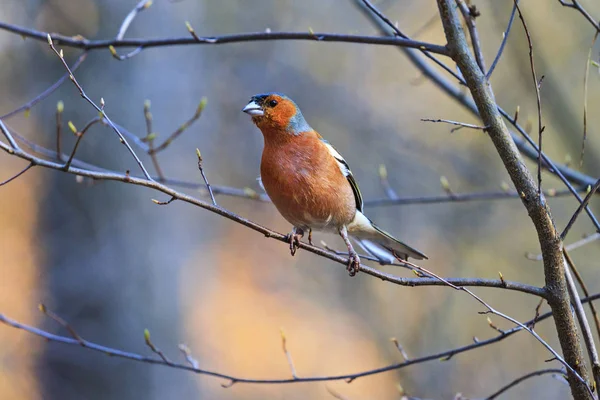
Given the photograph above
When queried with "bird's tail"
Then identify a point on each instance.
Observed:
(379, 243)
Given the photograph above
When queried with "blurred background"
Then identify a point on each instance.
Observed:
(112, 263)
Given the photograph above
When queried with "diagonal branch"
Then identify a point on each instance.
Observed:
(99, 109)
(533, 201)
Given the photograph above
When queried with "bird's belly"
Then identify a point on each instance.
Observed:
(311, 204)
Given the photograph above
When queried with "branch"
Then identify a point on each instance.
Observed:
(99, 109)
(534, 203)
(504, 40)
(18, 174)
(524, 378)
(193, 364)
(574, 4)
(86, 44)
(536, 84)
(125, 178)
(583, 205)
(141, 6)
(27, 106)
(469, 14)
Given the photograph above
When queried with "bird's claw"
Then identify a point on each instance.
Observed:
(310, 237)
(294, 240)
(353, 264)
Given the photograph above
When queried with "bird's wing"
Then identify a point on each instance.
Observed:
(345, 168)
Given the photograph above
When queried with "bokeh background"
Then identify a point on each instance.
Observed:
(112, 263)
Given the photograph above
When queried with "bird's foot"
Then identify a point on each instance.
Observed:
(310, 237)
(294, 239)
(353, 263)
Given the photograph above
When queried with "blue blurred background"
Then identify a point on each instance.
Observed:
(105, 258)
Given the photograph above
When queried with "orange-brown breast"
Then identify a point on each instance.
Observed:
(305, 183)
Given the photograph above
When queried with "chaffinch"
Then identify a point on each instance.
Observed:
(311, 184)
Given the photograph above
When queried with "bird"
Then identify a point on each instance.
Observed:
(311, 184)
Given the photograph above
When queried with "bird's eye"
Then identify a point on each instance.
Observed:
(273, 103)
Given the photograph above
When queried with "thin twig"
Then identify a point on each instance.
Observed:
(99, 109)
(79, 135)
(12, 178)
(400, 349)
(537, 84)
(520, 379)
(48, 91)
(154, 348)
(150, 136)
(398, 33)
(181, 128)
(62, 323)
(60, 106)
(210, 192)
(288, 356)
(385, 183)
(503, 43)
(475, 43)
(335, 394)
(553, 168)
(583, 205)
(187, 353)
(585, 95)
(459, 124)
(141, 6)
(575, 5)
(9, 137)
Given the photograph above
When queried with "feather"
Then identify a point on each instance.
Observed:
(376, 241)
(345, 169)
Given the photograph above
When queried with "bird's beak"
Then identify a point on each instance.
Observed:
(253, 109)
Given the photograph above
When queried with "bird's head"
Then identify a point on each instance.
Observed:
(275, 112)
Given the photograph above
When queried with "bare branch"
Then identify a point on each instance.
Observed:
(400, 349)
(583, 205)
(444, 355)
(459, 124)
(585, 95)
(79, 135)
(99, 109)
(141, 6)
(210, 192)
(82, 43)
(288, 356)
(523, 378)
(469, 14)
(503, 43)
(182, 128)
(537, 84)
(12, 178)
(574, 4)
(154, 348)
(47, 92)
